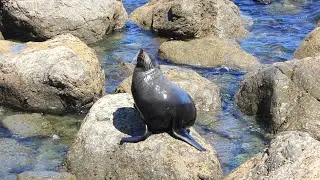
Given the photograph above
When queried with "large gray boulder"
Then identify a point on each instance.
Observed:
(57, 76)
(97, 154)
(291, 155)
(41, 19)
(190, 18)
(208, 52)
(205, 93)
(285, 95)
(310, 46)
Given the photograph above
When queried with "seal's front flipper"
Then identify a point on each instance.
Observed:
(185, 136)
(135, 139)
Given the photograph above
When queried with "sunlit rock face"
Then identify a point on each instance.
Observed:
(38, 20)
(56, 76)
(208, 52)
(291, 155)
(310, 46)
(190, 18)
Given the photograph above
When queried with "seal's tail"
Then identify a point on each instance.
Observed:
(185, 136)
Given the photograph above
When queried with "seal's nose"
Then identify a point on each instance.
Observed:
(141, 53)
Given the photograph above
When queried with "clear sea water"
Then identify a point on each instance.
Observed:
(276, 30)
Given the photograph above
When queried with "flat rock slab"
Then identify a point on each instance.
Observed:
(97, 154)
(56, 76)
(291, 155)
(284, 95)
(208, 52)
(190, 18)
(39, 20)
(205, 93)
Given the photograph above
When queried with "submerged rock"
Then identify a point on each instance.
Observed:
(284, 95)
(45, 175)
(310, 46)
(6, 46)
(208, 52)
(1, 36)
(96, 153)
(291, 155)
(27, 125)
(264, 1)
(56, 76)
(14, 157)
(190, 18)
(287, 7)
(205, 93)
(41, 20)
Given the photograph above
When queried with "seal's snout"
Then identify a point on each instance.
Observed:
(141, 54)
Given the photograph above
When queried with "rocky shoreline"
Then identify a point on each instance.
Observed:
(61, 74)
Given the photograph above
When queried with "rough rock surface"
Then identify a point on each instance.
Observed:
(45, 175)
(291, 155)
(208, 52)
(96, 153)
(205, 93)
(310, 46)
(41, 19)
(285, 95)
(59, 75)
(190, 18)
(1, 36)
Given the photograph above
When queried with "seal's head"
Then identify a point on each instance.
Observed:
(144, 62)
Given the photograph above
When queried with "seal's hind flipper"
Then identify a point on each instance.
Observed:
(185, 136)
(135, 139)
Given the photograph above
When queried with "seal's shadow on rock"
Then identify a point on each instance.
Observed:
(128, 121)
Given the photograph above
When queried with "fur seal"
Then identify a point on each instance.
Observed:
(163, 105)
